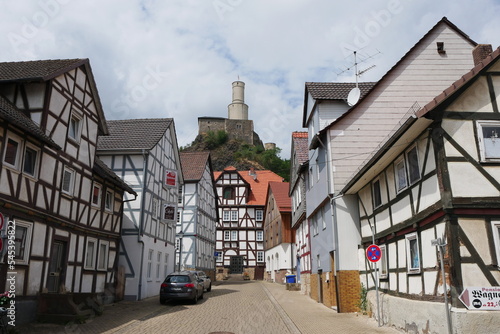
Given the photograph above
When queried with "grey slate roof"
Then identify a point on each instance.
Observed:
(106, 173)
(336, 90)
(193, 164)
(14, 116)
(133, 134)
(37, 70)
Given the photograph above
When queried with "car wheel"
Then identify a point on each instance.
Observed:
(202, 291)
(209, 288)
(195, 299)
(163, 301)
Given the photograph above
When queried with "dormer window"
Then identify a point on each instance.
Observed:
(228, 193)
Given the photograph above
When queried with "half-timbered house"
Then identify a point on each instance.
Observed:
(278, 236)
(198, 214)
(300, 225)
(240, 230)
(144, 153)
(441, 56)
(63, 203)
(436, 182)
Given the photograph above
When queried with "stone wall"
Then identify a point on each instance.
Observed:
(206, 124)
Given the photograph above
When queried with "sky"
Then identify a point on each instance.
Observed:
(178, 59)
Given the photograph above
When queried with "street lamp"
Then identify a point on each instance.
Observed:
(180, 235)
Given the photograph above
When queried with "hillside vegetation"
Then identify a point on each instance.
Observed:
(227, 152)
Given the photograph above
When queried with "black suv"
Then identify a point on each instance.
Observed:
(181, 285)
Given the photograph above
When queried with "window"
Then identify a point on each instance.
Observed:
(489, 141)
(377, 197)
(234, 215)
(220, 256)
(226, 216)
(150, 264)
(22, 241)
(384, 272)
(227, 235)
(30, 161)
(260, 256)
(165, 265)
(108, 202)
(323, 220)
(102, 258)
(259, 215)
(158, 262)
(260, 235)
(179, 198)
(318, 261)
(74, 127)
(228, 193)
(179, 215)
(11, 156)
(90, 253)
(154, 208)
(68, 181)
(413, 168)
(234, 235)
(495, 225)
(400, 174)
(412, 253)
(96, 195)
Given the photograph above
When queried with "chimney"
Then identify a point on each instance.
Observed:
(480, 52)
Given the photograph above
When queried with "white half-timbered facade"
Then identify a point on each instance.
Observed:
(437, 180)
(144, 153)
(198, 215)
(240, 230)
(64, 205)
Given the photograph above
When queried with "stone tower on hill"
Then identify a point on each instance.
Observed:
(237, 125)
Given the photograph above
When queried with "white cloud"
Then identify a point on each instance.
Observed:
(178, 58)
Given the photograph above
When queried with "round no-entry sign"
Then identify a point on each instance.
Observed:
(373, 253)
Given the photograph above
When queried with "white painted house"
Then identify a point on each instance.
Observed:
(198, 214)
(441, 56)
(437, 177)
(64, 204)
(144, 153)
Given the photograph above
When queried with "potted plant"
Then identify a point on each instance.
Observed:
(246, 276)
(5, 299)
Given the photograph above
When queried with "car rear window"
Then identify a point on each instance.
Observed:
(177, 279)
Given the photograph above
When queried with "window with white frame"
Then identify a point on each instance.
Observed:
(495, 225)
(12, 152)
(154, 208)
(234, 235)
(96, 195)
(318, 260)
(220, 256)
(22, 241)
(412, 253)
(108, 201)
(377, 195)
(260, 256)
(384, 271)
(226, 216)
(234, 215)
(165, 265)
(489, 141)
(68, 181)
(30, 161)
(260, 235)
(103, 255)
(74, 127)
(259, 215)
(158, 262)
(400, 174)
(413, 166)
(323, 220)
(150, 264)
(227, 235)
(90, 253)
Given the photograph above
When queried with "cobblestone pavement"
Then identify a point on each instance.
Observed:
(233, 307)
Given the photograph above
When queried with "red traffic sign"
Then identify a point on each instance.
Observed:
(373, 253)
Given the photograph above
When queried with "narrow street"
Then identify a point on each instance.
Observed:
(238, 307)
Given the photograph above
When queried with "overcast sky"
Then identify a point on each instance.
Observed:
(173, 58)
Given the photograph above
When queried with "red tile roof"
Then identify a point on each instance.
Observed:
(258, 187)
(280, 192)
(299, 134)
(193, 164)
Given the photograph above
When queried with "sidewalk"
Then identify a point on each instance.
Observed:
(311, 317)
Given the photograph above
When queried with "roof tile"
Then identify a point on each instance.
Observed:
(37, 70)
(280, 192)
(193, 164)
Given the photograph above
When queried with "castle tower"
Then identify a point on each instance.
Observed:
(238, 109)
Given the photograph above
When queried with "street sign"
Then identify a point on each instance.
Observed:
(481, 298)
(373, 253)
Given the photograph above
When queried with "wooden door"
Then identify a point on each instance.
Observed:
(56, 266)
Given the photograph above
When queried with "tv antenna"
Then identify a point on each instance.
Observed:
(355, 93)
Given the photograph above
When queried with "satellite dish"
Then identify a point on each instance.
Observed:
(353, 96)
